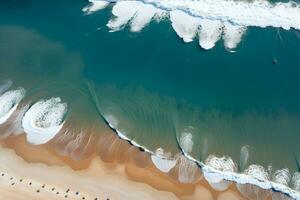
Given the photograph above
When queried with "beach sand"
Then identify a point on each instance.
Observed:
(38, 172)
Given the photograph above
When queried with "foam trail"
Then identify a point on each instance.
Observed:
(184, 25)
(244, 157)
(76, 144)
(4, 85)
(161, 162)
(95, 6)
(9, 102)
(232, 35)
(44, 120)
(186, 140)
(224, 164)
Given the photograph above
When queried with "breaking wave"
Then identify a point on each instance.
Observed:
(208, 20)
(44, 121)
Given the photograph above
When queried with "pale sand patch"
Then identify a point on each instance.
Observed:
(230, 195)
(201, 193)
(95, 182)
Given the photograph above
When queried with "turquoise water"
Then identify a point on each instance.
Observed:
(156, 87)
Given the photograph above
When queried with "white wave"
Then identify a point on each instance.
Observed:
(95, 5)
(135, 12)
(44, 120)
(282, 176)
(4, 85)
(161, 161)
(143, 16)
(232, 35)
(212, 17)
(209, 33)
(186, 140)
(296, 181)
(185, 25)
(9, 102)
(223, 164)
(243, 13)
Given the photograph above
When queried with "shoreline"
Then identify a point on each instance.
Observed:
(45, 170)
(144, 176)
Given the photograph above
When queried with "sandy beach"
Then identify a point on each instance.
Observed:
(37, 172)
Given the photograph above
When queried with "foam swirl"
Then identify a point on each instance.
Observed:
(44, 120)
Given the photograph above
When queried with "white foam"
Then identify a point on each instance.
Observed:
(161, 162)
(44, 120)
(209, 33)
(135, 12)
(185, 25)
(186, 140)
(223, 164)
(94, 6)
(282, 176)
(9, 102)
(143, 16)
(296, 181)
(214, 16)
(258, 172)
(232, 35)
(243, 13)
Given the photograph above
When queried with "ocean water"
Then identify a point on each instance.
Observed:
(155, 89)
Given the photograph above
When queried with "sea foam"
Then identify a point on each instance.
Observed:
(224, 164)
(94, 6)
(44, 120)
(211, 20)
(9, 102)
(161, 161)
(135, 12)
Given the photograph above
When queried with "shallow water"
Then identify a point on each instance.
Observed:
(154, 89)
